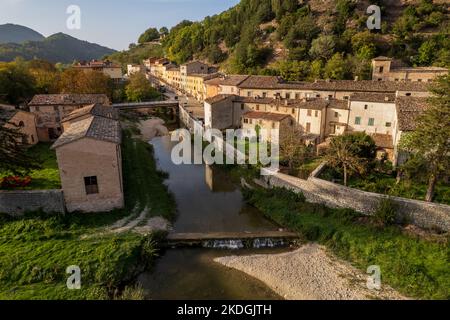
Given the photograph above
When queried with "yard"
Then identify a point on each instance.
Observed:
(47, 177)
(36, 250)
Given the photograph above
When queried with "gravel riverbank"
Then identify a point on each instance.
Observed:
(309, 273)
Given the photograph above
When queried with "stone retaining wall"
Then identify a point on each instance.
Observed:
(19, 202)
(420, 213)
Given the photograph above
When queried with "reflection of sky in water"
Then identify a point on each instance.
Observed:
(206, 198)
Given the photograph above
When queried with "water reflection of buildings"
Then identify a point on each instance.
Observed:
(217, 180)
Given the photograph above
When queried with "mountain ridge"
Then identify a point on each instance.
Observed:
(58, 47)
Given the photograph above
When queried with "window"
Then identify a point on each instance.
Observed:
(249, 93)
(278, 108)
(242, 106)
(330, 96)
(308, 127)
(317, 95)
(274, 125)
(388, 124)
(245, 120)
(293, 110)
(250, 121)
(288, 95)
(91, 185)
(264, 94)
(257, 107)
(297, 96)
(396, 79)
(371, 121)
(366, 106)
(345, 97)
(408, 94)
(336, 114)
(21, 124)
(309, 113)
(381, 70)
(420, 80)
(357, 120)
(317, 113)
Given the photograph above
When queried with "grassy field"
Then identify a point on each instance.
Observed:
(36, 250)
(414, 266)
(47, 177)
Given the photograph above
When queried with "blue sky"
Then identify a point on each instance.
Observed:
(112, 23)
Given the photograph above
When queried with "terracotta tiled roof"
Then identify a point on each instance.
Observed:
(265, 116)
(408, 108)
(218, 98)
(232, 80)
(383, 140)
(261, 82)
(68, 99)
(95, 110)
(373, 97)
(97, 128)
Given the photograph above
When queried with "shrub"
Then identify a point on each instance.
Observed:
(386, 212)
(13, 182)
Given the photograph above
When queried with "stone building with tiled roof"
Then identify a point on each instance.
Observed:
(23, 121)
(90, 110)
(266, 122)
(90, 164)
(385, 69)
(108, 68)
(50, 109)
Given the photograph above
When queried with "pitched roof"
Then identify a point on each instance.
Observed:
(7, 114)
(408, 109)
(68, 99)
(97, 128)
(232, 80)
(95, 110)
(373, 97)
(260, 82)
(382, 58)
(218, 98)
(265, 116)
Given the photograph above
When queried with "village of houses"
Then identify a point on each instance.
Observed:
(86, 132)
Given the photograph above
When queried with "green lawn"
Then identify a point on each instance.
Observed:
(47, 177)
(414, 266)
(36, 250)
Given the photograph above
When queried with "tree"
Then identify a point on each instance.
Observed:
(431, 139)
(292, 147)
(13, 155)
(336, 67)
(164, 31)
(140, 89)
(16, 82)
(322, 47)
(351, 153)
(84, 81)
(150, 34)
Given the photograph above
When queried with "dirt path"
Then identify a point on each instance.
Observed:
(309, 273)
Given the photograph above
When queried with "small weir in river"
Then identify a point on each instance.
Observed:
(213, 220)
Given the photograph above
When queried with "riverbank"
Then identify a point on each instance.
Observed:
(308, 273)
(35, 250)
(413, 265)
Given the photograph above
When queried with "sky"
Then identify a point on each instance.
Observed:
(112, 23)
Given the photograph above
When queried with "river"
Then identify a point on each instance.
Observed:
(207, 201)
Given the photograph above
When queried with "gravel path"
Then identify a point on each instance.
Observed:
(308, 273)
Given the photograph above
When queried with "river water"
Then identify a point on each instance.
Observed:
(207, 201)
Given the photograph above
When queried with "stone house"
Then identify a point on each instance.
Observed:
(267, 121)
(90, 164)
(22, 120)
(135, 68)
(97, 110)
(108, 68)
(386, 69)
(224, 85)
(50, 109)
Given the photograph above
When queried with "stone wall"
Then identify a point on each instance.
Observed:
(19, 202)
(420, 213)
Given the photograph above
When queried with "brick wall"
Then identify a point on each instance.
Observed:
(19, 202)
(420, 213)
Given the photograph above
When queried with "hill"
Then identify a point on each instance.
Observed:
(59, 47)
(13, 33)
(311, 39)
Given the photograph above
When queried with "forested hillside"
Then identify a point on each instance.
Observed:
(313, 39)
(18, 34)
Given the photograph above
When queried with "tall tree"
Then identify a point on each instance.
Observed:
(140, 89)
(292, 147)
(431, 138)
